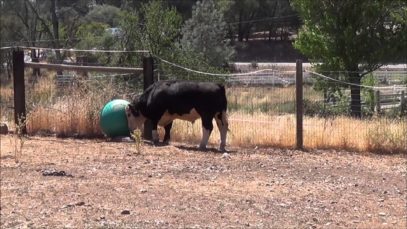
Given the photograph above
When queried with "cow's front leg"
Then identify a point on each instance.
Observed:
(207, 128)
(167, 135)
(155, 132)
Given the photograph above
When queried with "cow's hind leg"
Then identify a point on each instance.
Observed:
(223, 125)
(167, 135)
(207, 128)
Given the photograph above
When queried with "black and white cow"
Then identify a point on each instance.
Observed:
(165, 101)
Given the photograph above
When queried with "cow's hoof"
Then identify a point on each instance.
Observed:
(202, 148)
(223, 150)
(156, 143)
(165, 143)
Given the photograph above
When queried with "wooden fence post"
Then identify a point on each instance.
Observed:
(148, 77)
(19, 91)
(377, 101)
(299, 105)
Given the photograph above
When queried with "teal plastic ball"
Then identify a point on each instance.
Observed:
(113, 120)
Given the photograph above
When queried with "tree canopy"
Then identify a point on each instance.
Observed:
(205, 33)
(353, 36)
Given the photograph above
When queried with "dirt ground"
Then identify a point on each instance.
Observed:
(66, 183)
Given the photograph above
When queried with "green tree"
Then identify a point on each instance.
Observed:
(129, 24)
(242, 14)
(106, 14)
(205, 33)
(353, 36)
(161, 28)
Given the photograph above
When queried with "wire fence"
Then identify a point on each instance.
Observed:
(261, 107)
(68, 102)
(261, 103)
(333, 99)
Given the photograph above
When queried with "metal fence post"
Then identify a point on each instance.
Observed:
(19, 91)
(299, 105)
(148, 77)
(402, 101)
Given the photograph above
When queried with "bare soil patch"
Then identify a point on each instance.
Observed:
(98, 184)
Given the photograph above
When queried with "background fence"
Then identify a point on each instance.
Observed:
(262, 103)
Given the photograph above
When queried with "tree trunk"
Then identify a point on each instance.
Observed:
(55, 30)
(240, 31)
(355, 103)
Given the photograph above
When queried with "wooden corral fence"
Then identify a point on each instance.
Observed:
(19, 82)
(388, 100)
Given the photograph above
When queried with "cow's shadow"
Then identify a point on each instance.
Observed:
(208, 149)
(191, 148)
(196, 149)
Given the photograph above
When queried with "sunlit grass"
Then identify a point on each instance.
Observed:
(246, 130)
(260, 117)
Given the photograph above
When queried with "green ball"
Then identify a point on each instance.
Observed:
(113, 120)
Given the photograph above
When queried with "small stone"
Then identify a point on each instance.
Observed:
(382, 213)
(3, 128)
(143, 190)
(226, 156)
(125, 212)
(80, 203)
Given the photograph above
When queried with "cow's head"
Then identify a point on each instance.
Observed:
(135, 119)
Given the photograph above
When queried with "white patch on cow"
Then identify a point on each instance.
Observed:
(223, 126)
(134, 122)
(205, 137)
(155, 136)
(166, 118)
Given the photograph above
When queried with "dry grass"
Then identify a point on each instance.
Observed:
(6, 98)
(68, 117)
(379, 134)
(246, 130)
(275, 100)
(258, 117)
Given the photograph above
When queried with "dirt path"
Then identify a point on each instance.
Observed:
(88, 183)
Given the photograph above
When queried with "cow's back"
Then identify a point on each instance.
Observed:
(182, 96)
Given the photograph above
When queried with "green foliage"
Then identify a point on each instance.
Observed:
(353, 36)
(129, 39)
(94, 36)
(91, 34)
(105, 14)
(248, 16)
(342, 34)
(368, 93)
(205, 33)
(161, 28)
